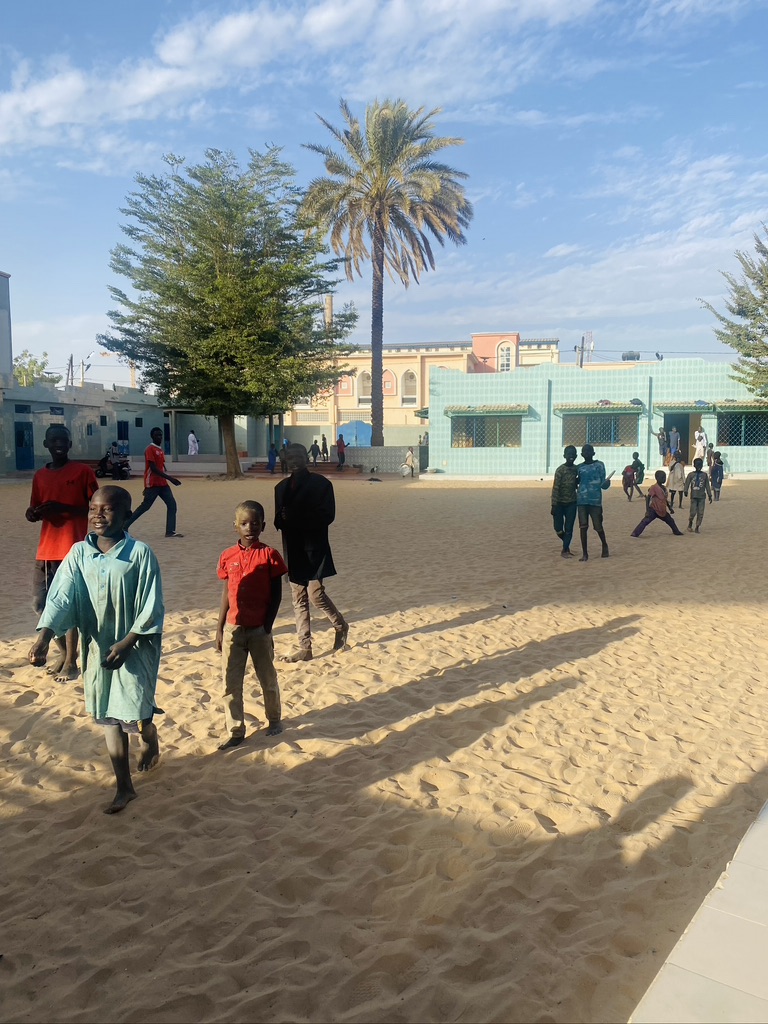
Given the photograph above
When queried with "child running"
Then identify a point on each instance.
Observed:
(252, 574)
(564, 500)
(60, 495)
(632, 476)
(698, 484)
(658, 507)
(109, 587)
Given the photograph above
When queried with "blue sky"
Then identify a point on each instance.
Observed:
(617, 150)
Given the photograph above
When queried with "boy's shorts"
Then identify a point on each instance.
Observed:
(42, 579)
(593, 512)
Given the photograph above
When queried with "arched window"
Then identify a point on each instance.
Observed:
(364, 388)
(505, 359)
(410, 388)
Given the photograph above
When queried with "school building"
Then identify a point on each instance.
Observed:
(407, 368)
(516, 424)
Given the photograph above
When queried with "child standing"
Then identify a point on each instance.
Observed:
(676, 480)
(658, 507)
(698, 484)
(60, 495)
(252, 574)
(109, 587)
(564, 500)
(716, 476)
(589, 499)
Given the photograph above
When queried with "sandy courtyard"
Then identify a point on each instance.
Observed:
(503, 802)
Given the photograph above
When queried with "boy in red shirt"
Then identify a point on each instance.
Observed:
(252, 574)
(61, 493)
(658, 507)
(156, 485)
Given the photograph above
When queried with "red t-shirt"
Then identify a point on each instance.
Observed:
(74, 484)
(249, 573)
(154, 458)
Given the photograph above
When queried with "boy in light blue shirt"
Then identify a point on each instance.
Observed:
(589, 498)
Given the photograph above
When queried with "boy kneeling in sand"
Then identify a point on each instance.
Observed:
(252, 574)
(109, 588)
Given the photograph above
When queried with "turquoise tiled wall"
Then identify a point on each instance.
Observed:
(543, 387)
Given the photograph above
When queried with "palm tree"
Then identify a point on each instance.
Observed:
(385, 189)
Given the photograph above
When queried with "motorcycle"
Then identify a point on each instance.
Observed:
(118, 467)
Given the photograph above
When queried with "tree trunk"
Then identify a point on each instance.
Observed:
(227, 425)
(377, 340)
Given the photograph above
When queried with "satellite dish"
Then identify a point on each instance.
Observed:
(659, 356)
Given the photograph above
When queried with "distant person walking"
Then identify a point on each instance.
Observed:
(304, 509)
(324, 448)
(193, 444)
(589, 499)
(661, 437)
(716, 475)
(314, 451)
(697, 483)
(410, 462)
(272, 458)
(674, 440)
(563, 500)
(676, 479)
(156, 485)
(341, 451)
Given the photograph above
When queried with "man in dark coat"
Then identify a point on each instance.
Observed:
(304, 509)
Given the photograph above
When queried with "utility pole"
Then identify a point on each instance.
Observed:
(579, 350)
(69, 380)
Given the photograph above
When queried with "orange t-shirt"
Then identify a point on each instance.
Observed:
(74, 484)
(249, 573)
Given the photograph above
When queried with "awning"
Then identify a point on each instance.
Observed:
(421, 414)
(690, 406)
(486, 410)
(741, 405)
(597, 407)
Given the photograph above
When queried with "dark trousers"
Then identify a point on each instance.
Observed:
(564, 516)
(151, 494)
(649, 516)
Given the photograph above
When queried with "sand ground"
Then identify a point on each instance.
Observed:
(503, 802)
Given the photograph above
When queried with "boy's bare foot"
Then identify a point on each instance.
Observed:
(584, 558)
(68, 671)
(232, 742)
(150, 750)
(605, 553)
(303, 654)
(55, 667)
(275, 728)
(566, 554)
(120, 802)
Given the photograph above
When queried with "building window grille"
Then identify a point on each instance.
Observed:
(601, 430)
(364, 388)
(505, 359)
(23, 409)
(89, 430)
(486, 431)
(742, 429)
(410, 390)
(102, 421)
(122, 430)
(139, 421)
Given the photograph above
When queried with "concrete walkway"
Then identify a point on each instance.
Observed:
(718, 971)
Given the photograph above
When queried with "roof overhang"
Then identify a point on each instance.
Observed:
(697, 406)
(598, 407)
(742, 405)
(487, 410)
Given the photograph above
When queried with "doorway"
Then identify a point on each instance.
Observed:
(25, 446)
(681, 421)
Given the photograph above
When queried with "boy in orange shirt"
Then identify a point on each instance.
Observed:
(61, 492)
(658, 507)
(252, 574)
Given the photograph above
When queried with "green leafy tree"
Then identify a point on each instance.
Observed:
(745, 328)
(29, 370)
(386, 198)
(225, 315)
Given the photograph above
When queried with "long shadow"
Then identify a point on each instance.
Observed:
(353, 719)
(510, 927)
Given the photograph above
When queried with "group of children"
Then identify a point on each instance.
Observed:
(576, 490)
(93, 577)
